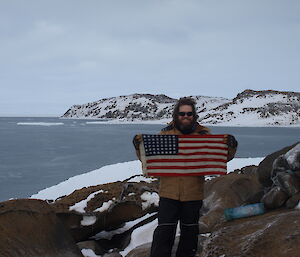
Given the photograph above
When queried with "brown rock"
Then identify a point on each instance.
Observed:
(293, 201)
(275, 233)
(264, 169)
(275, 198)
(91, 244)
(30, 228)
(224, 192)
(127, 206)
(289, 183)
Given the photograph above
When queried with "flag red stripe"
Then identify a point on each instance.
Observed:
(187, 174)
(201, 147)
(203, 153)
(185, 167)
(198, 155)
(201, 136)
(187, 160)
(200, 142)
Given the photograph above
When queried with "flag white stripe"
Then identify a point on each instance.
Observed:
(188, 167)
(183, 164)
(200, 156)
(202, 150)
(179, 171)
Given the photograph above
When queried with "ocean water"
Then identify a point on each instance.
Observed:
(36, 153)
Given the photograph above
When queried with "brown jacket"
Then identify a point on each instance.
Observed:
(184, 188)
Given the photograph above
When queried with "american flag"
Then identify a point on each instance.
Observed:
(183, 155)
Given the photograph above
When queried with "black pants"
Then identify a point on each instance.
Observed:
(169, 213)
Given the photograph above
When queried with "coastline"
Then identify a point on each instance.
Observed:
(166, 121)
(95, 121)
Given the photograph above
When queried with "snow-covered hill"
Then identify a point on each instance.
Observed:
(138, 107)
(249, 108)
(257, 108)
(131, 107)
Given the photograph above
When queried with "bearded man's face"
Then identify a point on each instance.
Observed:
(185, 120)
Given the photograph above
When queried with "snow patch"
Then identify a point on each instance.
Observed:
(105, 174)
(88, 220)
(105, 206)
(80, 206)
(238, 163)
(149, 199)
(293, 157)
(141, 178)
(89, 253)
(128, 225)
(141, 235)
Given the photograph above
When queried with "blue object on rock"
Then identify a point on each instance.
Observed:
(244, 211)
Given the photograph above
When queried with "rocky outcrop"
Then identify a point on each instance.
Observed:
(285, 179)
(265, 168)
(253, 236)
(227, 191)
(30, 228)
(275, 233)
(89, 211)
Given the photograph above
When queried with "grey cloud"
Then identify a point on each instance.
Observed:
(80, 51)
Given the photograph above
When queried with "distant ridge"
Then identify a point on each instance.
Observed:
(248, 108)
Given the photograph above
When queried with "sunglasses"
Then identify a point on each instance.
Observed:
(185, 113)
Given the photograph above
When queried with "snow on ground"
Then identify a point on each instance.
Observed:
(142, 179)
(89, 253)
(106, 174)
(128, 225)
(148, 199)
(116, 172)
(141, 235)
(88, 220)
(105, 206)
(80, 206)
(238, 163)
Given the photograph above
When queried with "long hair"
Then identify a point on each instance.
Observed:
(185, 101)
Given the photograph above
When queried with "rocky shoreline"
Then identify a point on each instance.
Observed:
(102, 218)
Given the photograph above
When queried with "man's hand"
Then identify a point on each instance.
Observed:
(230, 141)
(137, 140)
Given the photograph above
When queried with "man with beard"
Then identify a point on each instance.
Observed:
(181, 196)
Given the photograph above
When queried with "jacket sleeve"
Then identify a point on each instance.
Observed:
(232, 147)
(136, 143)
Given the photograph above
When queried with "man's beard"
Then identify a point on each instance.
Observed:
(185, 128)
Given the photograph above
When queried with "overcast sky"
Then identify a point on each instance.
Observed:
(56, 53)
